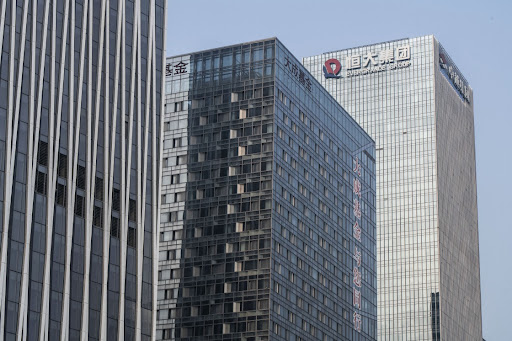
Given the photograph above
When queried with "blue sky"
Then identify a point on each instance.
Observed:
(476, 34)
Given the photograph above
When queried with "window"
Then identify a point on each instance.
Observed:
(241, 150)
(181, 160)
(114, 227)
(62, 170)
(239, 227)
(97, 219)
(178, 106)
(177, 142)
(98, 189)
(226, 328)
(197, 103)
(232, 208)
(165, 217)
(179, 196)
(163, 314)
(132, 210)
(79, 205)
(80, 179)
(164, 275)
(41, 182)
(60, 195)
(175, 179)
(166, 180)
(42, 153)
(345, 278)
(132, 237)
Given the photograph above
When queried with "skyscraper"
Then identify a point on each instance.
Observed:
(417, 106)
(80, 106)
(268, 213)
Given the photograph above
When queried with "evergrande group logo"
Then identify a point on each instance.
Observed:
(329, 72)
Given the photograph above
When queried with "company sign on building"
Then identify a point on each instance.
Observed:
(371, 62)
(450, 71)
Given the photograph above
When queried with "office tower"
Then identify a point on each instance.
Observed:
(417, 106)
(80, 88)
(268, 203)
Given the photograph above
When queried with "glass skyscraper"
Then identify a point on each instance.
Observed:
(417, 106)
(80, 105)
(268, 203)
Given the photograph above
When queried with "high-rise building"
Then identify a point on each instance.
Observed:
(417, 106)
(80, 104)
(268, 214)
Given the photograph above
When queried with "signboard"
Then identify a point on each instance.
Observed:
(450, 71)
(177, 74)
(178, 68)
(371, 62)
(298, 73)
(357, 281)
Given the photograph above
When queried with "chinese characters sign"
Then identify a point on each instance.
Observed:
(357, 281)
(371, 62)
(298, 73)
(451, 72)
(178, 68)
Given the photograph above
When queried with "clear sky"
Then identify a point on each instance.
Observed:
(476, 34)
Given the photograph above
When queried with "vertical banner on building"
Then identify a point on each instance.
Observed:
(357, 281)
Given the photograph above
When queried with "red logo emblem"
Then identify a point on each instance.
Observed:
(329, 72)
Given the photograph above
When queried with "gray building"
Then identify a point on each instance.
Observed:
(414, 102)
(268, 203)
(80, 102)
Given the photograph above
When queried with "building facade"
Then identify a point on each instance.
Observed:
(80, 102)
(414, 102)
(268, 203)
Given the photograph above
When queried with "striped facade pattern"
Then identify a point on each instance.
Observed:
(427, 214)
(80, 106)
(256, 234)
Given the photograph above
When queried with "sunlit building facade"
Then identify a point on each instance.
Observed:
(80, 107)
(268, 203)
(413, 101)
